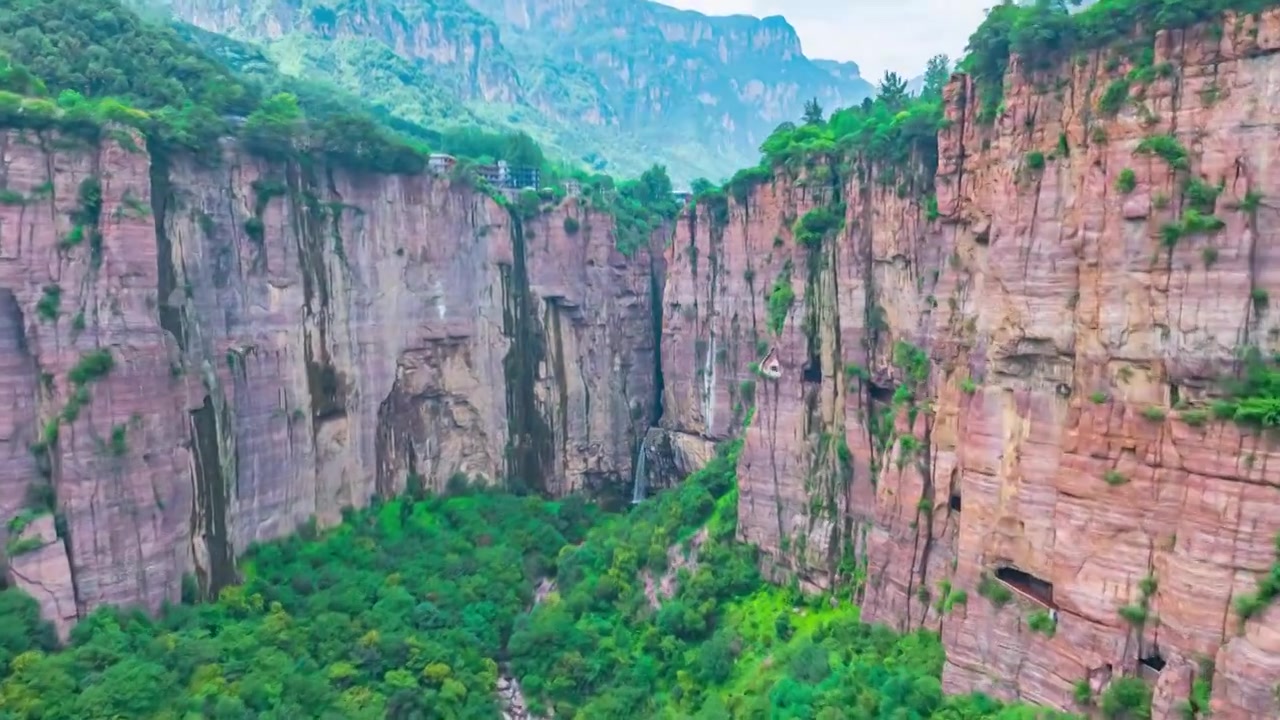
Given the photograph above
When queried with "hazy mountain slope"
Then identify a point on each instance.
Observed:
(614, 83)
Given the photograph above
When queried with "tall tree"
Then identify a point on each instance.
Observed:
(936, 74)
(812, 112)
(893, 89)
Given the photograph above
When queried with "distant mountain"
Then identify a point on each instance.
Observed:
(617, 84)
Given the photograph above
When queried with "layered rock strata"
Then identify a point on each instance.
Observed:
(993, 416)
(199, 358)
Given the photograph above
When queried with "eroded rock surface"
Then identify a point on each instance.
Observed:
(287, 342)
(1011, 387)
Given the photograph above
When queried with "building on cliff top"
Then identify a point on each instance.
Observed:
(441, 162)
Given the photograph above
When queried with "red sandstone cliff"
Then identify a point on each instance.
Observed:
(1051, 318)
(286, 343)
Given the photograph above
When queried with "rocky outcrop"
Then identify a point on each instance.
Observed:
(198, 358)
(995, 418)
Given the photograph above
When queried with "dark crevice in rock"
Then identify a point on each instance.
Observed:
(530, 454)
(166, 275)
(209, 510)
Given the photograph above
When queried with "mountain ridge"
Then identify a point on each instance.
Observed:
(614, 86)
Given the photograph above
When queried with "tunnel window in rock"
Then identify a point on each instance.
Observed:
(769, 366)
(1151, 664)
(1027, 585)
(954, 502)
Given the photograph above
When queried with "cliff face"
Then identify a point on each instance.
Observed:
(199, 358)
(1005, 400)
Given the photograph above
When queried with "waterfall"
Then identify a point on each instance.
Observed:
(641, 479)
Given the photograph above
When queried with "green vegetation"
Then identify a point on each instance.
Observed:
(1126, 698)
(1127, 181)
(1034, 161)
(396, 613)
(404, 610)
(75, 66)
(1166, 147)
(1253, 397)
(994, 590)
(47, 305)
(1042, 622)
(819, 224)
(1097, 397)
(1209, 254)
(781, 297)
(1194, 417)
(91, 367)
(1044, 33)
(1154, 413)
(1114, 97)
(1114, 477)
(1249, 604)
(968, 386)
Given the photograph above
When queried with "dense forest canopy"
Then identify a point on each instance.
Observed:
(414, 608)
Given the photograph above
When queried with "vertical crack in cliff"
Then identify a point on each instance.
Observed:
(530, 450)
(209, 508)
(166, 275)
(326, 386)
(555, 350)
(656, 291)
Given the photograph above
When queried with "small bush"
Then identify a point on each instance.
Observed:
(92, 366)
(1260, 298)
(1114, 97)
(968, 386)
(1167, 148)
(1097, 397)
(1035, 161)
(1134, 614)
(1194, 418)
(1083, 693)
(1042, 622)
(1210, 256)
(1126, 697)
(994, 590)
(1114, 477)
(47, 306)
(1154, 414)
(1127, 181)
(571, 225)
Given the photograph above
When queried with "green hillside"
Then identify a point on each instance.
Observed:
(611, 84)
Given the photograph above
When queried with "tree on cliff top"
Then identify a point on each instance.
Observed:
(892, 90)
(936, 75)
(812, 112)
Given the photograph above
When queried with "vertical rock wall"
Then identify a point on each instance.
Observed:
(1010, 391)
(284, 341)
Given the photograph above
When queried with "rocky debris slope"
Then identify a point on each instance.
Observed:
(992, 416)
(198, 358)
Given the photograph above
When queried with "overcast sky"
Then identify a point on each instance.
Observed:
(879, 35)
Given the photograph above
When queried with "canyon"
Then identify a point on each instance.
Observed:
(281, 343)
(970, 407)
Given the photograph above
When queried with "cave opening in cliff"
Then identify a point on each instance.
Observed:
(1153, 661)
(1028, 585)
(880, 393)
(954, 502)
(812, 371)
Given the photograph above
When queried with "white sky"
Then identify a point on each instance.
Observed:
(879, 35)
